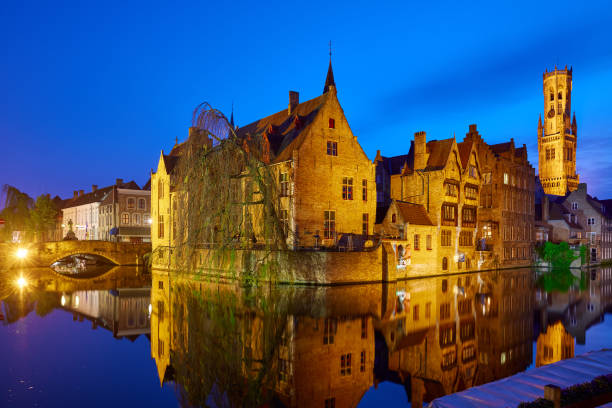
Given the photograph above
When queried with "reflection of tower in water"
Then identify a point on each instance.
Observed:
(554, 345)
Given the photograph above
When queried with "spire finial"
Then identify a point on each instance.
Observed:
(232, 116)
(175, 140)
(329, 80)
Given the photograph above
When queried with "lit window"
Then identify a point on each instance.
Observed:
(131, 203)
(125, 218)
(506, 178)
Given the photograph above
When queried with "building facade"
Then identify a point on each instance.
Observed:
(507, 200)
(557, 137)
(125, 214)
(434, 175)
(326, 181)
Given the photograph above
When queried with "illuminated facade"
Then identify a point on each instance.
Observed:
(557, 136)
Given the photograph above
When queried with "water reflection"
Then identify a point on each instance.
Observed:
(224, 345)
(220, 344)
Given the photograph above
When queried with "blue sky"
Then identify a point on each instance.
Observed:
(92, 91)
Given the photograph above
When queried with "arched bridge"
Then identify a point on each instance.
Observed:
(119, 253)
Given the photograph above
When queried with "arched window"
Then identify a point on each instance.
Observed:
(552, 96)
(393, 218)
(142, 204)
(131, 203)
(136, 219)
(125, 218)
(444, 264)
(560, 96)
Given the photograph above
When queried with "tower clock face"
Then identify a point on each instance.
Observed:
(551, 113)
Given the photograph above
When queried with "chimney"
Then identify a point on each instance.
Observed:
(294, 101)
(420, 150)
(545, 207)
(473, 128)
(119, 181)
(94, 187)
(76, 194)
(81, 192)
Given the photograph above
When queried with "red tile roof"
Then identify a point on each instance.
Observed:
(413, 213)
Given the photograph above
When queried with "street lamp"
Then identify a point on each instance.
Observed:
(21, 253)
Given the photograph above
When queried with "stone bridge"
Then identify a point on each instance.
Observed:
(46, 253)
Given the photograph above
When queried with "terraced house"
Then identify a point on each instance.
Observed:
(326, 181)
(444, 178)
(507, 208)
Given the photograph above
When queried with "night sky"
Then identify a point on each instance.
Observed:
(91, 91)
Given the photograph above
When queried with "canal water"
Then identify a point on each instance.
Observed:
(162, 340)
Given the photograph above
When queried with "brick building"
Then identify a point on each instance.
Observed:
(557, 137)
(327, 182)
(434, 175)
(507, 199)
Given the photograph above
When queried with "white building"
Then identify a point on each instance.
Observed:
(82, 212)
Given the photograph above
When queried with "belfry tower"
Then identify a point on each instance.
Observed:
(557, 136)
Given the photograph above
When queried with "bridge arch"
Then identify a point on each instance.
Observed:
(119, 253)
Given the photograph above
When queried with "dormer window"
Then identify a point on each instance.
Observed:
(332, 123)
(574, 205)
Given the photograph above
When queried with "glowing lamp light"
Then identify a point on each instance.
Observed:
(63, 300)
(22, 282)
(76, 301)
(150, 309)
(150, 221)
(22, 253)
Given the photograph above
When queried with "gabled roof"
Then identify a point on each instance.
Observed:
(438, 151)
(170, 161)
(413, 213)
(285, 131)
(98, 195)
(500, 147)
(465, 148)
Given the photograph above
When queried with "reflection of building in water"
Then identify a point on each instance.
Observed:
(577, 309)
(324, 361)
(318, 346)
(460, 331)
(554, 345)
(122, 311)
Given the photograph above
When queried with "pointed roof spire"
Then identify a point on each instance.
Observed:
(232, 116)
(175, 140)
(329, 80)
(574, 119)
(540, 122)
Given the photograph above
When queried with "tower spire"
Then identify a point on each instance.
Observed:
(329, 80)
(232, 116)
(540, 122)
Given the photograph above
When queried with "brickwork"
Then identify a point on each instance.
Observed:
(506, 215)
(557, 138)
(439, 182)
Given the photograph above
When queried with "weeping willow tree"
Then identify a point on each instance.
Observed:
(226, 199)
(229, 347)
